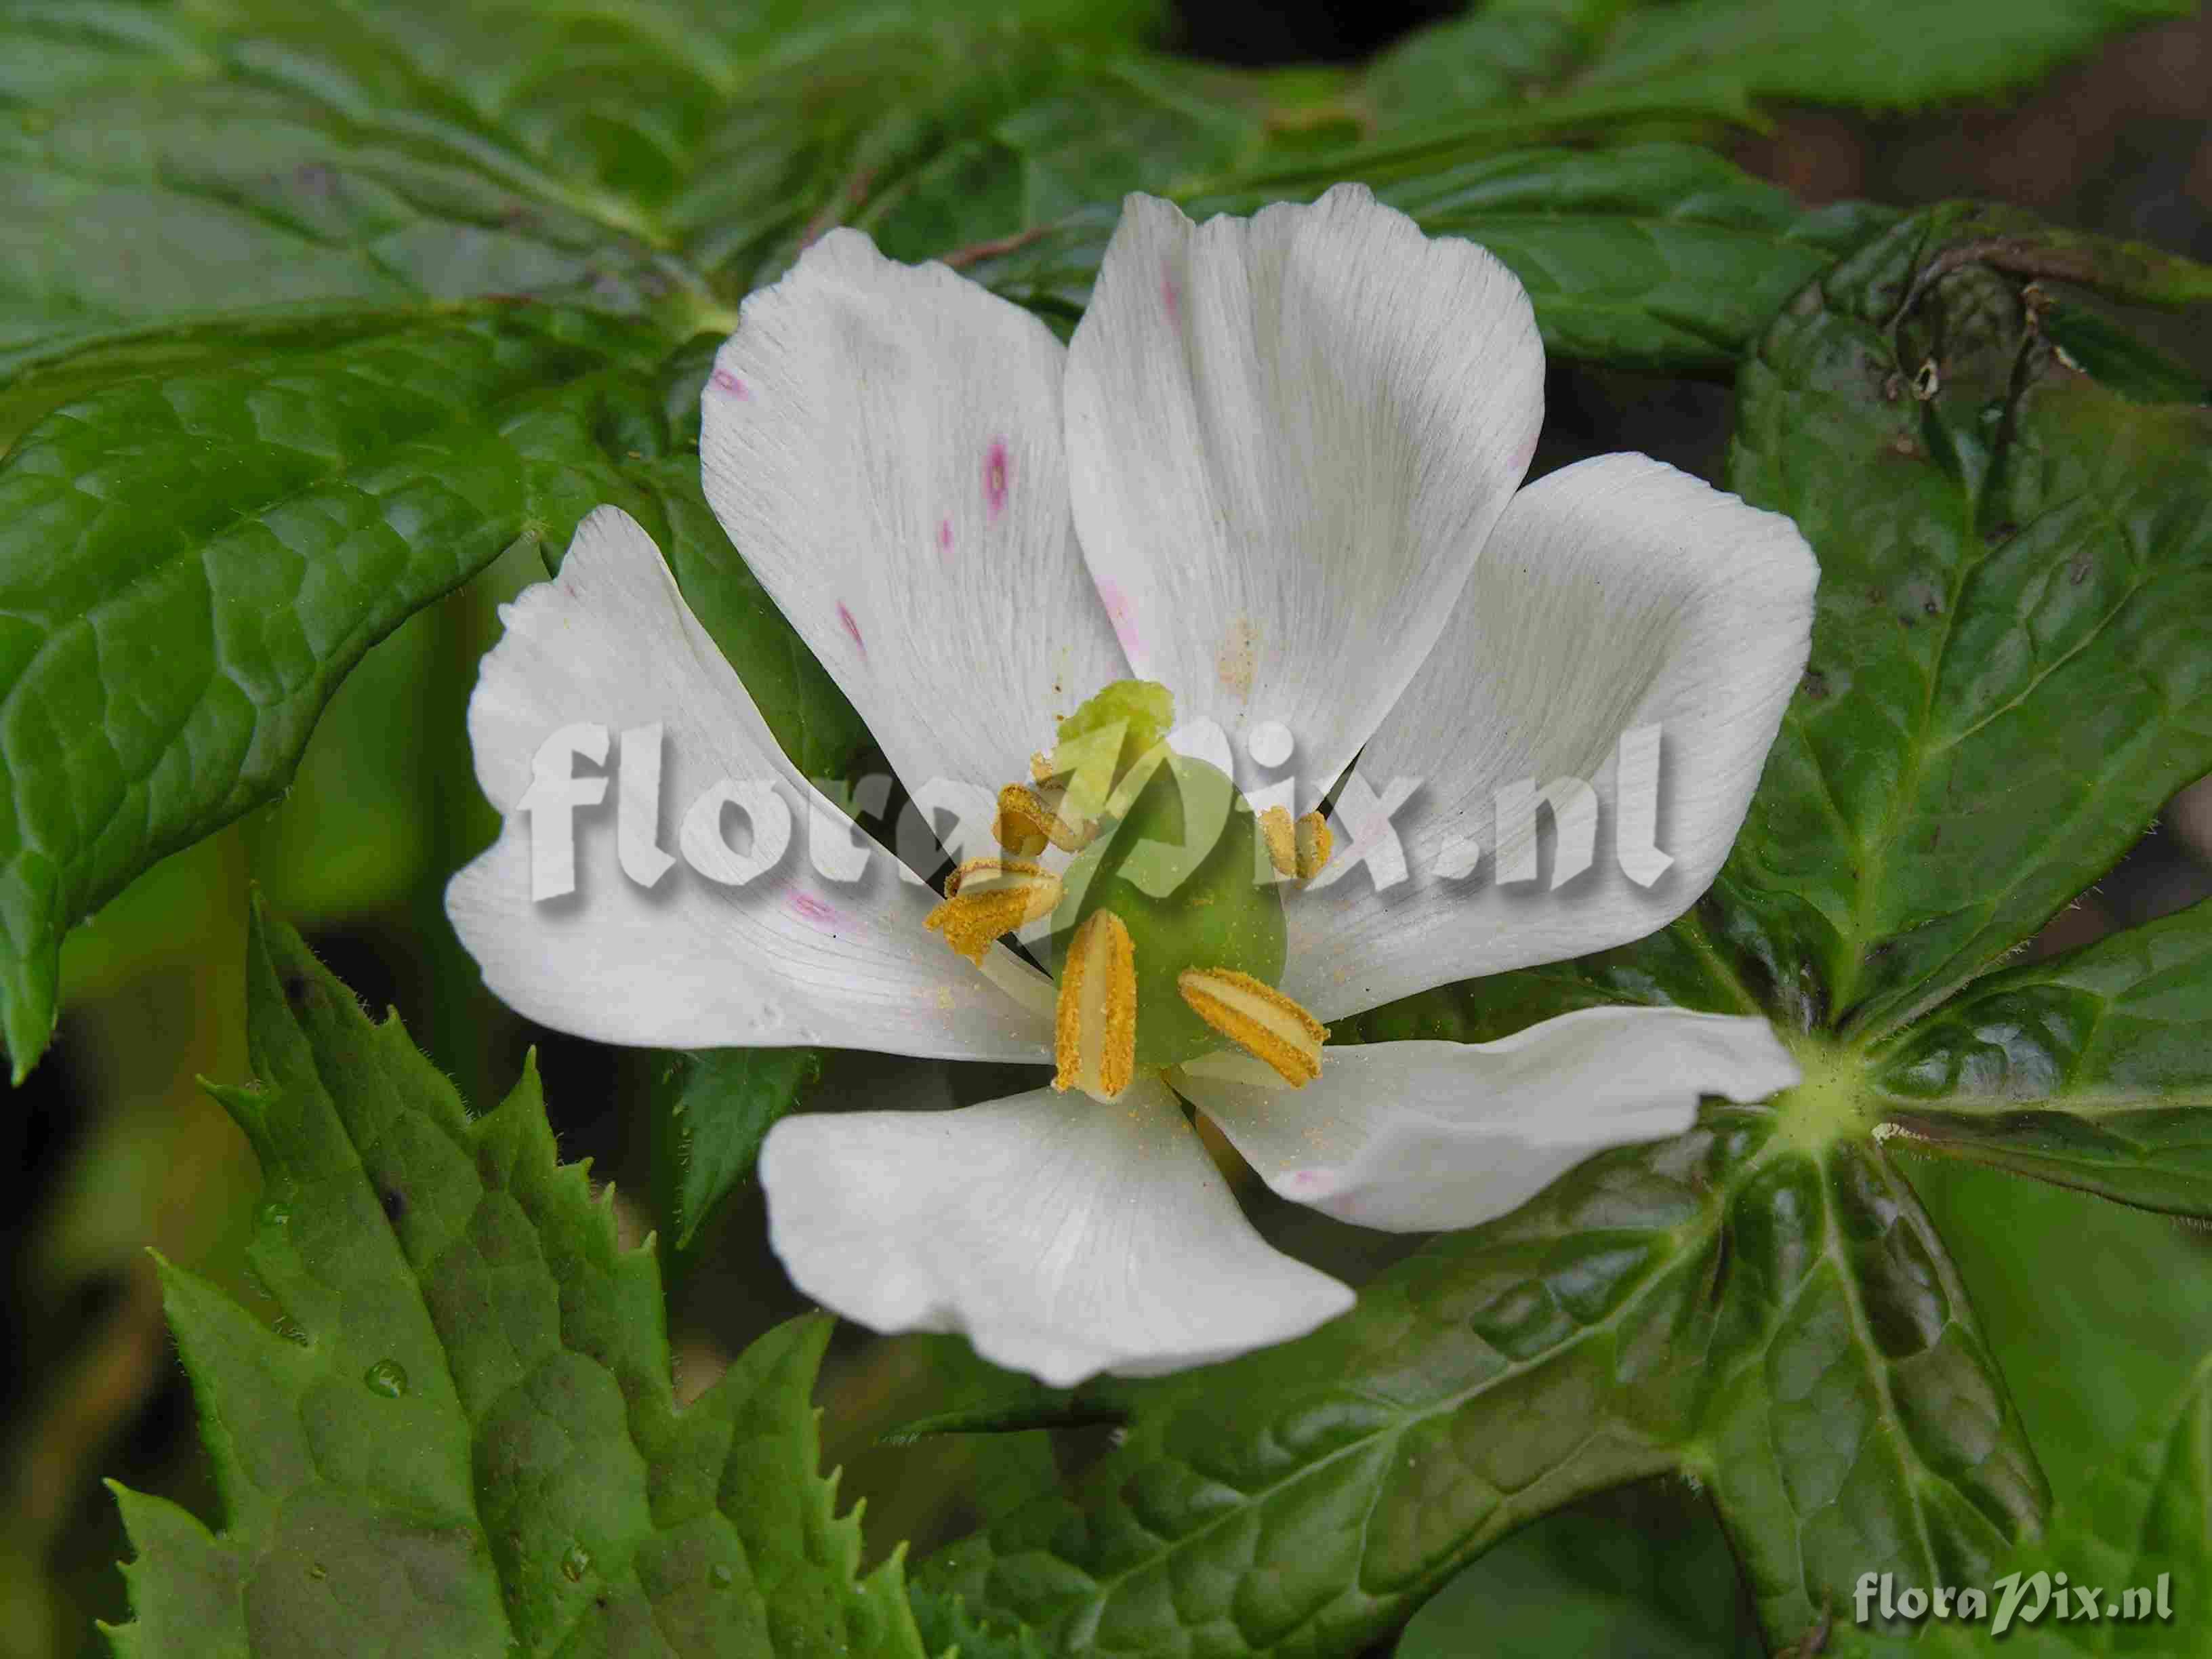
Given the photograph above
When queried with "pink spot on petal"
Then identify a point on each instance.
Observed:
(1124, 622)
(994, 478)
(944, 536)
(726, 381)
(845, 621)
(1170, 296)
(1306, 1181)
(809, 908)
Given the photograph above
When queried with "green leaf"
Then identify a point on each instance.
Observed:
(1728, 54)
(195, 558)
(355, 830)
(947, 1627)
(2144, 1522)
(2090, 1070)
(52, 49)
(1497, 53)
(185, 166)
(1038, 129)
(720, 1104)
(135, 205)
(1660, 256)
(2107, 352)
(967, 1395)
(1769, 1313)
(188, 163)
(2006, 681)
(2054, 1274)
(460, 1436)
(1643, 1571)
(1864, 1428)
(354, 162)
(1872, 54)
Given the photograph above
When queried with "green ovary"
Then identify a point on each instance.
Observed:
(1220, 915)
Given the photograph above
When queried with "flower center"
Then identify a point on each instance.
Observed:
(1167, 932)
(1177, 869)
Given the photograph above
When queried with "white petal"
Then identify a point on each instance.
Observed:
(1615, 595)
(1417, 1137)
(882, 442)
(1287, 438)
(789, 957)
(1063, 1237)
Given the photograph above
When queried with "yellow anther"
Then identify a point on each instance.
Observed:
(1257, 1018)
(986, 897)
(1095, 1021)
(1281, 838)
(1028, 818)
(1019, 828)
(1315, 845)
(1302, 850)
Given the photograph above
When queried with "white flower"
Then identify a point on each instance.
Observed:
(1262, 475)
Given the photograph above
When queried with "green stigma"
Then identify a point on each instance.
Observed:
(1143, 710)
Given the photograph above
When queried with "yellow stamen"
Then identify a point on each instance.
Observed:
(1300, 850)
(986, 897)
(1258, 1018)
(1281, 839)
(1095, 1022)
(1017, 827)
(1041, 770)
(1028, 818)
(1315, 845)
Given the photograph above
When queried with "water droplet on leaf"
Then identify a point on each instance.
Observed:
(276, 1213)
(720, 1576)
(291, 1330)
(387, 1378)
(575, 1564)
